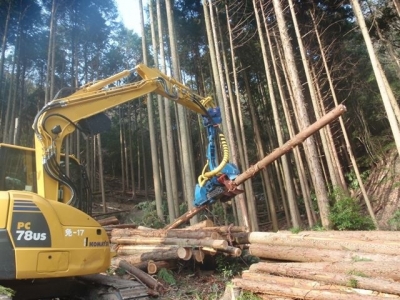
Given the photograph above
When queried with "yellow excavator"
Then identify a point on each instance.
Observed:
(45, 231)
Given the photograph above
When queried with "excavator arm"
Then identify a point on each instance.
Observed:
(41, 236)
(61, 117)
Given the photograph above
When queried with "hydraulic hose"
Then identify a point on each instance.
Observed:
(207, 175)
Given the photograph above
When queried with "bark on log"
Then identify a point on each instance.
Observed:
(152, 267)
(250, 172)
(138, 249)
(297, 292)
(198, 255)
(322, 242)
(185, 217)
(232, 251)
(174, 233)
(201, 225)
(149, 281)
(135, 240)
(355, 280)
(108, 221)
(289, 145)
(209, 251)
(111, 227)
(357, 235)
(226, 229)
(304, 254)
(380, 269)
(138, 258)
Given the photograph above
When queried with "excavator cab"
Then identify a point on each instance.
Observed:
(18, 172)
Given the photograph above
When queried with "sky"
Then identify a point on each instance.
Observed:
(129, 12)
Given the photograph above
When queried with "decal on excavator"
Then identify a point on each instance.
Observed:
(29, 227)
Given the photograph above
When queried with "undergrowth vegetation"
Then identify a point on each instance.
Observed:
(346, 214)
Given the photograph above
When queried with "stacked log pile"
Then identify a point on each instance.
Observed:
(323, 265)
(151, 249)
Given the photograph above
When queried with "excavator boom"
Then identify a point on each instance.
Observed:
(42, 234)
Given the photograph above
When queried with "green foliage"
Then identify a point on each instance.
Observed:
(353, 181)
(246, 295)
(295, 230)
(6, 291)
(346, 215)
(394, 221)
(167, 276)
(353, 283)
(148, 216)
(228, 266)
(357, 273)
(318, 227)
(358, 258)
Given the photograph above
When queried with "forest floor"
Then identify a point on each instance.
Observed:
(208, 281)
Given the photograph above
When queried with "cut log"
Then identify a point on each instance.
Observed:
(209, 251)
(298, 292)
(138, 249)
(198, 255)
(115, 226)
(175, 233)
(108, 221)
(304, 254)
(322, 242)
(200, 225)
(148, 280)
(232, 251)
(185, 253)
(289, 145)
(252, 171)
(227, 229)
(352, 235)
(137, 240)
(351, 280)
(152, 267)
(145, 228)
(381, 269)
(185, 217)
(138, 258)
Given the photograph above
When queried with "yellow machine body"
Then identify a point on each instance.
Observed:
(42, 239)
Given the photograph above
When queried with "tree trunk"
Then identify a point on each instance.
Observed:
(305, 189)
(312, 153)
(291, 197)
(3, 52)
(343, 127)
(238, 121)
(152, 130)
(164, 156)
(379, 74)
(186, 155)
(169, 130)
(226, 115)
